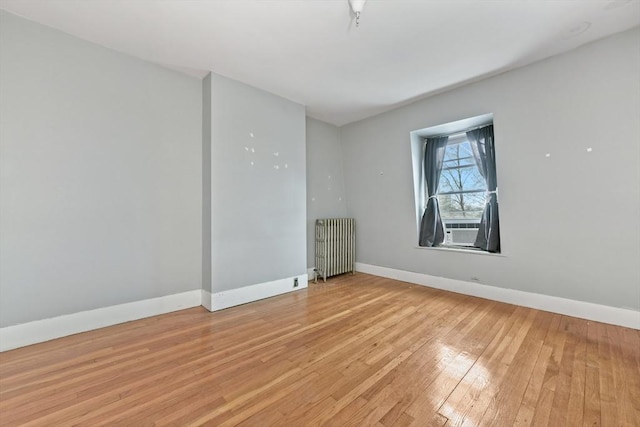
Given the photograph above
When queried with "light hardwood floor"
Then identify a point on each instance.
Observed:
(360, 350)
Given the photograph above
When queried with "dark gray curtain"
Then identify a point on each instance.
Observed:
(431, 228)
(482, 145)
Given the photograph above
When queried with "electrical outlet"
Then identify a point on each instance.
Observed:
(295, 282)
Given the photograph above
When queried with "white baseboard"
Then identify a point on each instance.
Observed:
(47, 329)
(310, 272)
(233, 297)
(206, 299)
(584, 310)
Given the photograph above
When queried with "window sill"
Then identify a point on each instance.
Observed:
(460, 249)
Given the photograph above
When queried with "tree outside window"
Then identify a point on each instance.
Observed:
(461, 193)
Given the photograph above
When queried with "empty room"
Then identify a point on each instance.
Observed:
(320, 213)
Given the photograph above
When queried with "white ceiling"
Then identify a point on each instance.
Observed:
(311, 52)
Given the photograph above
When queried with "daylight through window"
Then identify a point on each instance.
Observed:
(461, 193)
(456, 185)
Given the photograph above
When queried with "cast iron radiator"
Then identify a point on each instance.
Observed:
(335, 247)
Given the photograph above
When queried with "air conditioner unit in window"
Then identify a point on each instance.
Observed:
(461, 236)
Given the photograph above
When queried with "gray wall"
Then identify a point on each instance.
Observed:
(325, 180)
(258, 194)
(100, 190)
(585, 243)
(206, 183)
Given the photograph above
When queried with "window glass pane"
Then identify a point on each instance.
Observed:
(463, 204)
(458, 155)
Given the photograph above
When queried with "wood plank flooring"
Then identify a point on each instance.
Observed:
(357, 351)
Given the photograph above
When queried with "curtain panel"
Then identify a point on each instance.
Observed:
(431, 228)
(483, 148)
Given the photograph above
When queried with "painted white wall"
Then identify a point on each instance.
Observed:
(325, 179)
(585, 243)
(100, 189)
(258, 190)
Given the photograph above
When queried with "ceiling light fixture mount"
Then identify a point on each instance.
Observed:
(357, 6)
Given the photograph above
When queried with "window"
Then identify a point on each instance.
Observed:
(455, 184)
(461, 193)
